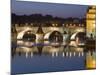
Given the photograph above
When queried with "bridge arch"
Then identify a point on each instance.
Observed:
(77, 38)
(54, 36)
(77, 34)
(29, 35)
(46, 36)
(20, 34)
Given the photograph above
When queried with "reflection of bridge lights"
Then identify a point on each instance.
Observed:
(82, 53)
(31, 54)
(66, 53)
(74, 53)
(70, 54)
(53, 50)
(26, 54)
(52, 54)
(26, 49)
(63, 54)
(79, 54)
(55, 54)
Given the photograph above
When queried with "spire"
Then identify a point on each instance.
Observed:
(40, 31)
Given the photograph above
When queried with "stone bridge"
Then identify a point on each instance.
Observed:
(73, 31)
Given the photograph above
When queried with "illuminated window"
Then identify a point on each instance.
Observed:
(91, 16)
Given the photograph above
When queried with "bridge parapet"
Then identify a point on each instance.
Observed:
(69, 29)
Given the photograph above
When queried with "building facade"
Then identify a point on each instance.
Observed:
(91, 22)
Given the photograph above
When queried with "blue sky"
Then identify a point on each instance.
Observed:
(59, 10)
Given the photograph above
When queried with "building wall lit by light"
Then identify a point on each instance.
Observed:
(90, 61)
(91, 21)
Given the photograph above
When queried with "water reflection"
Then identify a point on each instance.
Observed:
(55, 51)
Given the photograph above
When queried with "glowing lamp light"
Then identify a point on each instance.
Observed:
(93, 25)
(70, 24)
(79, 25)
(53, 24)
(63, 24)
(56, 24)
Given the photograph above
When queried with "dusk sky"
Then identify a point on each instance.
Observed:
(59, 10)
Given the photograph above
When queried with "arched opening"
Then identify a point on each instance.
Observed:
(29, 36)
(78, 38)
(81, 36)
(56, 37)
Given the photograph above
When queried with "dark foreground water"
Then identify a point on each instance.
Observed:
(35, 64)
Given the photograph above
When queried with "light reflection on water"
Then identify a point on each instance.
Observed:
(46, 57)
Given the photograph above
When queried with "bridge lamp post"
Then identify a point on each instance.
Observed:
(53, 25)
(63, 27)
(79, 25)
(26, 24)
(31, 24)
(56, 24)
(82, 25)
(74, 25)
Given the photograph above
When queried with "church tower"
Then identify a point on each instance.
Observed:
(91, 22)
